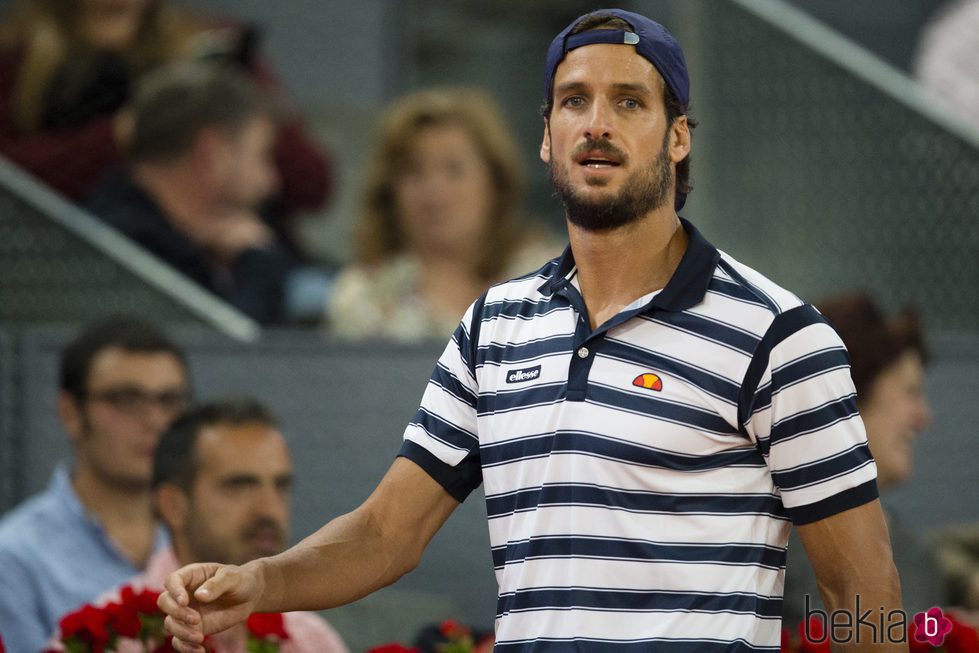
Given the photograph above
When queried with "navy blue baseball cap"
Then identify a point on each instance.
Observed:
(650, 39)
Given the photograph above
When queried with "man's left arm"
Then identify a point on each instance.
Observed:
(851, 554)
(799, 407)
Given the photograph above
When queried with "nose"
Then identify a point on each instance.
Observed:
(599, 124)
(924, 415)
(270, 502)
(273, 180)
(157, 418)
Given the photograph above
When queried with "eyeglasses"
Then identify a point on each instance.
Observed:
(136, 400)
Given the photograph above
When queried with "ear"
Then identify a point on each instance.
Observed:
(545, 145)
(70, 414)
(679, 139)
(173, 506)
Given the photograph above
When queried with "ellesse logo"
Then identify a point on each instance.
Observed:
(649, 381)
(526, 374)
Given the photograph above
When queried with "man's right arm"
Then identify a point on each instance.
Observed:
(350, 557)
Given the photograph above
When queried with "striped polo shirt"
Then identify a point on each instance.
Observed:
(641, 478)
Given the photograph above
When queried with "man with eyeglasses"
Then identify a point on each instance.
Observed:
(122, 382)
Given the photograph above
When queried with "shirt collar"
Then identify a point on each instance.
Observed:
(685, 289)
(61, 487)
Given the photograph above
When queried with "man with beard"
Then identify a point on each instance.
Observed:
(648, 415)
(122, 382)
(222, 477)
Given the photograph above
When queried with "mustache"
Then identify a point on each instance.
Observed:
(265, 526)
(601, 145)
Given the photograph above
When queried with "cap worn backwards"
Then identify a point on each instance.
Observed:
(650, 39)
(652, 42)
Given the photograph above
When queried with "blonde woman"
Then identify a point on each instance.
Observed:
(440, 219)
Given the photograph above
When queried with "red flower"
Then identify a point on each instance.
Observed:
(962, 638)
(87, 625)
(452, 629)
(786, 646)
(143, 601)
(813, 637)
(124, 619)
(267, 624)
(393, 648)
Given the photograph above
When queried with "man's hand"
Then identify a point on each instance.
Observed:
(225, 236)
(206, 598)
(234, 234)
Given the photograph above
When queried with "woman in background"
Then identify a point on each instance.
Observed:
(440, 219)
(67, 70)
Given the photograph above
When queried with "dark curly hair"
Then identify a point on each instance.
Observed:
(873, 341)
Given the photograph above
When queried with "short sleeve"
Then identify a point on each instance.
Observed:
(799, 406)
(442, 437)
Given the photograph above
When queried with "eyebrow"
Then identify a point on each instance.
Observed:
(240, 479)
(254, 479)
(630, 87)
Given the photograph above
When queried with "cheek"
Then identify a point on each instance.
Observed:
(410, 205)
(476, 196)
(106, 429)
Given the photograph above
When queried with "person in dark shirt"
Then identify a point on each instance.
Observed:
(199, 165)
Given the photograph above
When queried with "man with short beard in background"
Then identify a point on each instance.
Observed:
(222, 479)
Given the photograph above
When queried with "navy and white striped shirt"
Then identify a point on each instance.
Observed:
(641, 478)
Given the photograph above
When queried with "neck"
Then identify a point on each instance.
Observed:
(118, 507)
(617, 267)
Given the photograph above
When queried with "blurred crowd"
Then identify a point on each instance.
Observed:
(171, 128)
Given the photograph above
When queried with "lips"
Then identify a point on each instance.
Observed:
(598, 154)
(265, 536)
(597, 159)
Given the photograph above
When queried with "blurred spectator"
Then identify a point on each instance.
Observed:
(122, 383)
(440, 219)
(199, 165)
(887, 363)
(947, 59)
(222, 477)
(67, 70)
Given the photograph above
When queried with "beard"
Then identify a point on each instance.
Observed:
(643, 191)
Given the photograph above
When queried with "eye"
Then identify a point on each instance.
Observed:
(574, 102)
(631, 103)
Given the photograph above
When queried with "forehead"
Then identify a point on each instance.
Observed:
(118, 366)
(250, 448)
(607, 64)
(439, 135)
